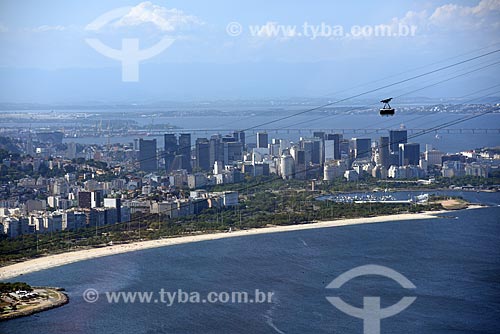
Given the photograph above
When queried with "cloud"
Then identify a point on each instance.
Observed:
(412, 18)
(454, 17)
(3, 28)
(45, 28)
(164, 19)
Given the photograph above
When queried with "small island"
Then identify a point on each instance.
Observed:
(19, 299)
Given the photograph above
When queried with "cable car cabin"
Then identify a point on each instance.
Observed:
(387, 112)
(386, 109)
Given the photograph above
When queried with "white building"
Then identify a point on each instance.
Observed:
(433, 157)
(351, 175)
(333, 169)
(452, 169)
(477, 169)
(286, 167)
(395, 172)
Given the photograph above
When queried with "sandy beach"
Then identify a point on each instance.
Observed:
(56, 260)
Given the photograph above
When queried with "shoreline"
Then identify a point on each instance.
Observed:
(60, 299)
(56, 260)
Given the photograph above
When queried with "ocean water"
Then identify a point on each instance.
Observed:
(304, 126)
(453, 261)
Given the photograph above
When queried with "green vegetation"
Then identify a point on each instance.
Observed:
(15, 286)
(474, 181)
(268, 201)
(264, 200)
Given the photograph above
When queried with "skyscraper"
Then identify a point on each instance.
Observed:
(170, 150)
(240, 136)
(318, 153)
(177, 154)
(85, 199)
(307, 145)
(300, 163)
(185, 150)
(397, 137)
(409, 154)
(383, 152)
(114, 203)
(286, 167)
(96, 198)
(274, 147)
(344, 146)
(234, 152)
(262, 140)
(216, 152)
(202, 152)
(336, 137)
(147, 155)
(321, 136)
(362, 148)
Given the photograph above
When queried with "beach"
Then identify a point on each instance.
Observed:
(51, 261)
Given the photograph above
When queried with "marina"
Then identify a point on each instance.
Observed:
(376, 197)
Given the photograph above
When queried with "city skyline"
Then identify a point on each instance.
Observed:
(249, 167)
(220, 160)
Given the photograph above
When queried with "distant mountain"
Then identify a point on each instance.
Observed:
(201, 82)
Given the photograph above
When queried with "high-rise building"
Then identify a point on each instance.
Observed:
(274, 148)
(329, 150)
(307, 145)
(397, 137)
(301, 161)
(170, 150)
(262, 140)
(321, 142)
(85, 199)
(318, 153)
(362, 148)
(433, 157)
(96, 198)
(233, 151)
(287, 167)
(383, 152)
(336, 138)
(177, 154)
(185, 150)
(240, 136)
(409, 154)
(344, 146)
(148, 160)
(216, 152)
(114, 203)
(319, 134)
(228, 139)
(202, 152)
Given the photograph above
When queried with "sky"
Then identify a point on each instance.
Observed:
(231, 50)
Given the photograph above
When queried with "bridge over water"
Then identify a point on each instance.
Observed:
(468, 131)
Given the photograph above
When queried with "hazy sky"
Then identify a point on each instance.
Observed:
(235, 50)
